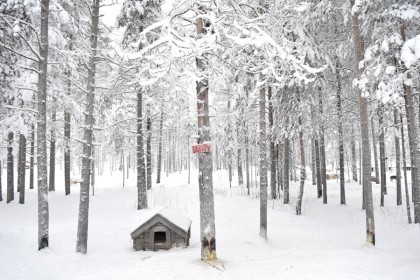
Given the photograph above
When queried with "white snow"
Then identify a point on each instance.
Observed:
(410, 51)
(326, 242)
(175, 216)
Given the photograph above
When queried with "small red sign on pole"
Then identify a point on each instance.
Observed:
(202, 148)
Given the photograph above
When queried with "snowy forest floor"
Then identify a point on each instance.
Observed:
(326, 242)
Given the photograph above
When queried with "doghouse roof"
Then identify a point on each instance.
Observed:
(169, 217)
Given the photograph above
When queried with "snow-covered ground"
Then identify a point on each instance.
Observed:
(326, 242)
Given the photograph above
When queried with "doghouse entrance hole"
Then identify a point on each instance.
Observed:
(160, 237)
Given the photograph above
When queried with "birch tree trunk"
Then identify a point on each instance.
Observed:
(398, 158)
(364, 129)
(51, 182)
(159, 158)
(205, 161)
(43, 209)
(340, 136)
(83, 221)
(375, 152)
(10, 172)
(414, 142)
(407, 194)
(22, 163)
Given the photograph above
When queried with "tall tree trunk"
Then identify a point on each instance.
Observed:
(248, 183)
(273, 183)
(364, 129)
(19, 165)
(159, 159)
(22, 163)
(93, 161)
(43, 209)
(10, 172)
(302, 169)
(205, 162)
(51, 186)
(398, 158)
(67, 129)
(313, 162)
(286, 170)
(407, 194)
(375, 151)
(353, 155)
(149, 150)
(83, 221)
(141, 184)
(239, 163)
(340, 135)
(318, 168)
(414, 142)
(32, 161)
(263, 164)
(322, 152)
(382, 156)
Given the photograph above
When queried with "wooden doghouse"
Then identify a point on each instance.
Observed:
(164, 229)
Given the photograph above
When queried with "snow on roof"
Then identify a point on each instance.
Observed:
(172, 215)
(176, 217)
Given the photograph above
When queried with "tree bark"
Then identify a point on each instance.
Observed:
(22, 163)
(51, 186)
(32, 161)
(340, 136)
(364, 128)
(375, 152)
(273, 183)
(43, 209)
(353, 155)
(67, 130)
(407, 194)
(19, 165)
(382, 156)
(313, 162)
(149, 150)
(159, 159)
(141, 184)
(286, 170)
(83, 221)
(398, 158)
(248, 182)
(302, 169)
(10, 172)
(413, 141)
(205, 161)
(263, 164)
(322, 152)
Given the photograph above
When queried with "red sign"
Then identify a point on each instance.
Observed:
(202, 148)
